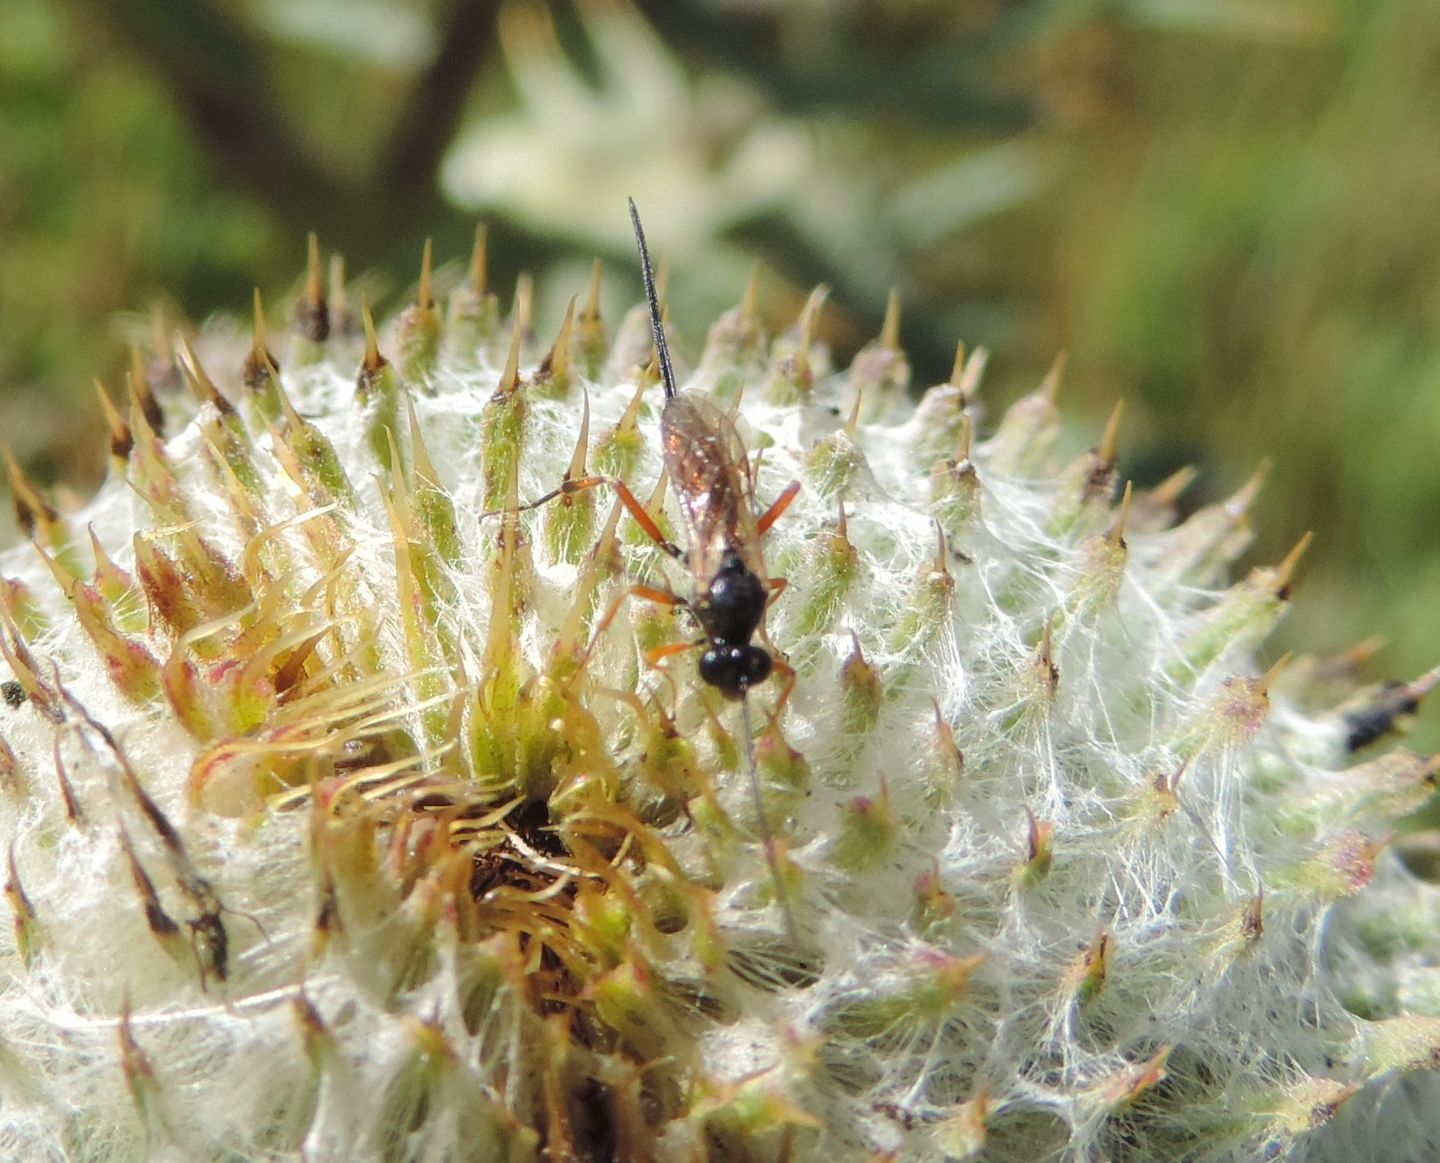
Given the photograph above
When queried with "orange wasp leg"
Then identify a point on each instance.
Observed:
(654, 594)
(782, 669)
(773, 513)
(570, 487)
(657, 654)
(649, 593)
(786, 675)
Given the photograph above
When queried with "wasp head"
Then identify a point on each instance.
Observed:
(734, 669)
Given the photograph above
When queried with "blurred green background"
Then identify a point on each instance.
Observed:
(1225, 210)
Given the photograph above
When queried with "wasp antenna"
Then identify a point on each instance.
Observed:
(766, 837)
(667, 372)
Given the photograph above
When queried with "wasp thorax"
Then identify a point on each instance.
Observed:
(733, 604)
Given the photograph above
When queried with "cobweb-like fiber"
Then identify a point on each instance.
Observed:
(342, 824)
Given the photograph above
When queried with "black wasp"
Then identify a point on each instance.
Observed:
(715, 482)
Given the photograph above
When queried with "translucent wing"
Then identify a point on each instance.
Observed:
(711, 475)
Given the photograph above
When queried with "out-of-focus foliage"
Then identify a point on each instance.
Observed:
(1252, 256)
(1224, 211)
(106, 202)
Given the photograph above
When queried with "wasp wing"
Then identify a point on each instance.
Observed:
(711, 475)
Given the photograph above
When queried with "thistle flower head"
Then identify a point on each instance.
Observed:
(352, 810)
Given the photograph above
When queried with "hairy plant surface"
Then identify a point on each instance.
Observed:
(351, 813)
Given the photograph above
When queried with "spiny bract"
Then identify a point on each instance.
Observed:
(339, 827)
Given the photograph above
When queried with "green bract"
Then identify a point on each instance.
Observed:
(339, 825)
